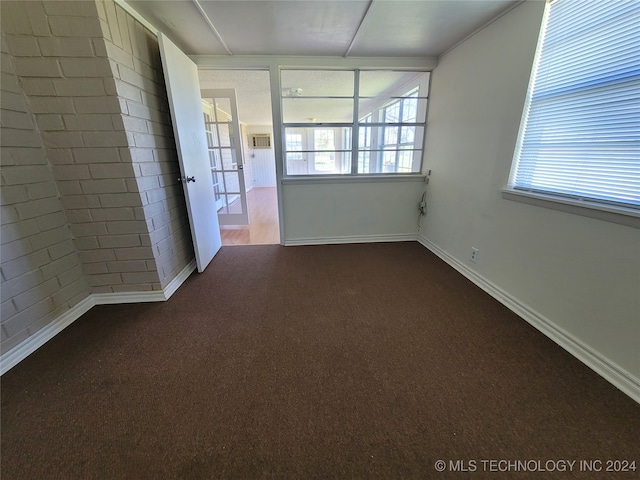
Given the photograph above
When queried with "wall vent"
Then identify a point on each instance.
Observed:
(261, 140)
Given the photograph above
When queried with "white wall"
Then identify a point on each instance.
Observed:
(351, 210)
(262, 160)
(581, 275)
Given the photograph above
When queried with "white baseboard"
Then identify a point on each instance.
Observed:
(400, 237)
(607, 369)
(18, 353)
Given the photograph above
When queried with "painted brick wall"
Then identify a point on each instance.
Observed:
(89, 203)
(41, 272)
(137, 69)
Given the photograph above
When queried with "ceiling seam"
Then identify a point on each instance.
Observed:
(366, 12)
(212, 26)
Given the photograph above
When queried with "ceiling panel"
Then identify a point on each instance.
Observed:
(181, 21)
(286, 27)
(421, 28)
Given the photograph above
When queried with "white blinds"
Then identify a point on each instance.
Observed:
(580, 136)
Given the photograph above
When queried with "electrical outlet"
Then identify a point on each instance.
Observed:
(474, 255)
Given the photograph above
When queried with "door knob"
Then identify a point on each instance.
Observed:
(187, 179)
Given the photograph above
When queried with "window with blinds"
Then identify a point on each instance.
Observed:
(580, 133)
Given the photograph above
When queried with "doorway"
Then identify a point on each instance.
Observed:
(237, 112)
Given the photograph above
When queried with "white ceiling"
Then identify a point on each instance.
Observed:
(343, 28)
(355, 28)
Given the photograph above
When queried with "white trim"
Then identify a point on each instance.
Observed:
(592, 209)
(333, 179)
(179, 279)
(133, 12)
(398, 237)
(611, 372)
(128, 297)
(30, 344)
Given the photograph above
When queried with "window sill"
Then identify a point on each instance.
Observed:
(608, 213)
(333, 179)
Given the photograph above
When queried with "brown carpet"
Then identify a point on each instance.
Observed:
(339, 361)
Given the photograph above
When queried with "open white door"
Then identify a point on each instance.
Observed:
(183, 90)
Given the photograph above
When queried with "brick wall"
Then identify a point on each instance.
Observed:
(90, 198)
(136, 65)
(41, 272)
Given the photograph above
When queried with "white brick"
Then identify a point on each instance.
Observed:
(120, 200)
(13, 101)
(17, 13)
(14, 194)
(9, 83)
(60, 156)
(62, 249)
(119, 55)
(52, 105)
(113, 214)
(106, 279)
(79, 216)
(66, 47)
(50, 122)
(13, 119)
(70, 276)
(11, 137)
(72, 293)
(97, 267)
(62, 139)
(42, 190)
(16, 249)
(15, 231)
(111, 170)
(21, 284)
(96, 155)
(140, 155)
(80, 201)
(129, 92)
(37, 67)
(53, 269)
(105, 139)
(133, 124)
(99, 47)
(38, 86)
(38, 19)
(19, 175)
(7, 309)
(69, 187)
(53, 220)
(93, 256)
(8, 214)
(103, 186)
(75, 27)
(83, 67)
(115, 241)
(140, 277)
(125, 227)
(19, 266)
(51, 237)
(71, 172)
(138, 110)
(88, 229)
(86, 243)
(97, 105)
(87, 122)
(79, 87)
(128, 266)
(35, 295)
(30, 156)
(135, 253)
(14, 340)
(23, 46)
(71, 8)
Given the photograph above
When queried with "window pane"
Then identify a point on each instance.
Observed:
(314, 110)
(381, 110)
(317, 83)
(320, 163)
(389, 161)
(382, 83)
(379, 138)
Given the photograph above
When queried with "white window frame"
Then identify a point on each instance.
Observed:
(581, 204)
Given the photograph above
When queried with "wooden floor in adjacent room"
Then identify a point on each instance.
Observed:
(263, 227)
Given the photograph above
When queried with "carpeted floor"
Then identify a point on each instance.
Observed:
(338, 361)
